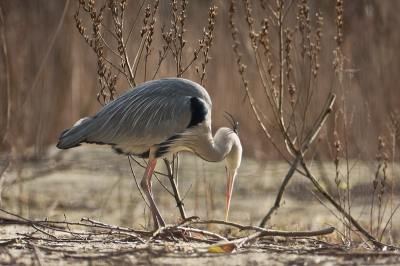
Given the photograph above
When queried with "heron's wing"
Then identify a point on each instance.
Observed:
(144, 116)
(144, 120)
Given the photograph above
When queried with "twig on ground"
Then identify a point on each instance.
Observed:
(38, 255)
(113, 234)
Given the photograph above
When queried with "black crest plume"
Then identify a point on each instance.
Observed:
(233, 123)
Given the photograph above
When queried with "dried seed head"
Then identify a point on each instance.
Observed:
(292, 89)
(339, 21)
(381, 143)
(123, 5)
(337, 145)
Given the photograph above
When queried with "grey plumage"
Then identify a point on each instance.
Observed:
(154, 120)
(146, 115)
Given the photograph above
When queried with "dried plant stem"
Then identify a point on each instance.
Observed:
(119, 26)
(137, 59)
(281, 191)
(144, 166)
(346, 151)
(175, 167)
(134, 23)
(149, 38)
(389, 221)
(203, 232)
(270, 98)
(391, 183)
(375, 182)
(264, 231)
(110, 49)
(281, 57)
(254, 109)
(97, 223)
(136, 182)
(338, 146)
(179, 202)
(206, 44)
(208, 191)
(154, 173)
(380, 196)
(241, 241)
(44, 232)
(161, 58)
(38, 255)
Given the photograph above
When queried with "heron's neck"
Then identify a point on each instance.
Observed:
(214, 149)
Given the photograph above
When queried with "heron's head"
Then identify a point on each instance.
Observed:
(232, 164)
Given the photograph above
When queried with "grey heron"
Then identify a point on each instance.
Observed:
(154, 120)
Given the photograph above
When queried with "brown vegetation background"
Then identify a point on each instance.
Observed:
(45, 87)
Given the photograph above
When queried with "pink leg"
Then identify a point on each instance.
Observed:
(146, 187)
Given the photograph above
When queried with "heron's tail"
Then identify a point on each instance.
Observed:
(74, 136)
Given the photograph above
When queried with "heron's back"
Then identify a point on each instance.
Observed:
(144, 116)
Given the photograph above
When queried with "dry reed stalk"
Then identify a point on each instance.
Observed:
(206, 44)
(337, 179)
(339, 72)
(174, 38)
(381, 195)
(162, 54)
(17, 119)
(394, 128)
(375, 182)
(8, 87)
(149, 39)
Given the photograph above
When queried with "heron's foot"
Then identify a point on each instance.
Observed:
(173, 232)
(189, 219)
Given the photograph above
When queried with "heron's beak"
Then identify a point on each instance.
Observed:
(231, 175)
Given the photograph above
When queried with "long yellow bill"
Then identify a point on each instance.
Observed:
(231, 175)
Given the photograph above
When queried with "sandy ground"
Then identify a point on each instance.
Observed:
(178, 255)
(50, 253)
(97, 184)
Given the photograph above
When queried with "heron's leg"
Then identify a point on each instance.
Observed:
(146, 187)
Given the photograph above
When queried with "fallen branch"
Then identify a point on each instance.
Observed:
(260, 232)
(113, 233)
(241, 241)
